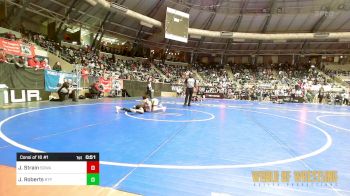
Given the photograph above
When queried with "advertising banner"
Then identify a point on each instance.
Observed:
(106, 83)
(17, 48)
(24, 95)
(54, 79)
(214, 95)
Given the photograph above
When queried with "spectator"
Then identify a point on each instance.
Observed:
(95, 89)
(116, 88)
(57, 66)
(44, 64)
(47, 66)
(346, 98)
(34, 63)
(2, 56)
(66, 91)
(85, 75)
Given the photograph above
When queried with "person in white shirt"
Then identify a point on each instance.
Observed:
(346, 98)
(150, 90)
(116, 87)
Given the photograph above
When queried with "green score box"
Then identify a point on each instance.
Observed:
(93, 179)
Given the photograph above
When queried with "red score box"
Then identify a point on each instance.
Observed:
(93, 167)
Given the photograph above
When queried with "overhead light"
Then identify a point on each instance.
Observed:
(146, 24)
(119, 7)
(104, 3)
(321, 35)
(226, 34)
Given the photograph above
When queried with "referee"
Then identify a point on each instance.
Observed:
(150, 90)
(190, 83)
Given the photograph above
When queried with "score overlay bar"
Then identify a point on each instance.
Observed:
(57, 169)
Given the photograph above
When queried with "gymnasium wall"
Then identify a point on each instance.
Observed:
(338, 67)
(21, 81)
(137, 89)
(66, 67)
(20, 78)
(4, 30)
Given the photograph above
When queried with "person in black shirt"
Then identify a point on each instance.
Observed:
(190, 83)
(66, 91)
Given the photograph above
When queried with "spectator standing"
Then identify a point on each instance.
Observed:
(57, 66)
(346, 98)
(150, 90)
(320, 94)
(85, 76)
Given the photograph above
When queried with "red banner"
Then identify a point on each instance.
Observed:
(106, 83)
(17, 48)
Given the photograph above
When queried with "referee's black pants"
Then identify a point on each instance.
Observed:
(149, 94)
(188, 98)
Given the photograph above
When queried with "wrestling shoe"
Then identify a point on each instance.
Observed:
(117, 109)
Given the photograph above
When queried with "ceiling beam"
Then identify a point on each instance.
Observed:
(235, 27)
(266, 24)
(151, 13)
(100, 32)
(124, 16)
(17, 17)
(325, 14)
(91, 16)
(58, 31)
(314, 29)
(207, 25)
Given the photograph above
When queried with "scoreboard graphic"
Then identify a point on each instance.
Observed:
(57, 169)
(176, 25)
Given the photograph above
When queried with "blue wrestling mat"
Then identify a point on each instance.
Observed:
(210, 148)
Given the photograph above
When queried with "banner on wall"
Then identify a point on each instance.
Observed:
(214, 95)
(54, 79)
(17, 48)
(117, 84)
(16, 78)
(106, 84)
(24, 95)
